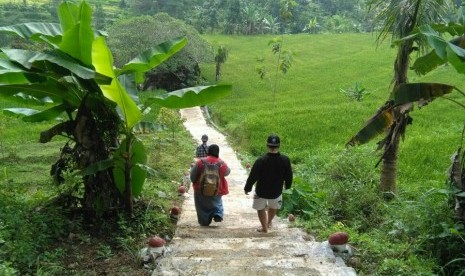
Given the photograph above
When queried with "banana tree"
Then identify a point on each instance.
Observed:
(399, 19)
(400, 103)
(76, 75)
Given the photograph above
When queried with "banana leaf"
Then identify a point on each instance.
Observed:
(189, 97)
(422, 93)
(103, 63)
(376, 125)
(42, 90)
(451, 51)
(138, 173)
(152, 58)
(403, 96)
(47, 32)
(29, 58)
(78, 34)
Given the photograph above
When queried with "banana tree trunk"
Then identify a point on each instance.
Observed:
(92, 145)
(388, 177)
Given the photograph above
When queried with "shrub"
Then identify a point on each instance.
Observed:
(302, 200)
(182, 70)
(354, 198)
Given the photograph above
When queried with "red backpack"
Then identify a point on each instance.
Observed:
(210, 178)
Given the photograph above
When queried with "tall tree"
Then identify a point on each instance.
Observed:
(220, 58)
(398, 19)
(233, 17)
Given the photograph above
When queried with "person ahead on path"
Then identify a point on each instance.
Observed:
(202, 149)
(270, 172)
(209, 207)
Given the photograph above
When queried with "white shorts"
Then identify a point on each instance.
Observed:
(261, 203)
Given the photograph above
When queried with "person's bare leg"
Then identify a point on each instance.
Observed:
(263, 217)
(271, 215)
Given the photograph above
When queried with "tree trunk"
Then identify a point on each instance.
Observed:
(218, 72)
(391, 147)
(389, 170)
(94, 138)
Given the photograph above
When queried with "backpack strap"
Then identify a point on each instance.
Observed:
(219, 164)
(204, 149)
(204, 162)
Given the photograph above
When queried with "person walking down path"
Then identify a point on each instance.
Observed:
(270, 172)
(208, 201)
(202, 149)
(234, 247)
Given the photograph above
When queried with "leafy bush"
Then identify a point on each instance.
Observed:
(302, 200)
(128, 36)
(171, 119)
(354, 198)
(357, 93)
(428, 224)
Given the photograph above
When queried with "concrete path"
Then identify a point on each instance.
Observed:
(234, 247)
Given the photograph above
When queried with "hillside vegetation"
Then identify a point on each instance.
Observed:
(339, 185)
(313, 116)
(335, 188)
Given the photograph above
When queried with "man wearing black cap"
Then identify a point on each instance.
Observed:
(209, 206)
(202, 149)
(271, 172)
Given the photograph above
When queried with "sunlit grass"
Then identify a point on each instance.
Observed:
(310, 112)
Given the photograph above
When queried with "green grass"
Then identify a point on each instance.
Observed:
(315, 121)
(311, 114)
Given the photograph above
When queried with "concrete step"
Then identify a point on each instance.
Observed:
(249, 266)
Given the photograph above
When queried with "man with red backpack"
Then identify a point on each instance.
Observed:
(209, 184)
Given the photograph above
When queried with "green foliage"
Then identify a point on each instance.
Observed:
(220, 58)
(127, 36)
(27, 228)
(403, 264)
(77, 73)
(38, 234)
(354, 198)
(212, 16)
(104, 252)
(302, 200)
(314, 124)
(357, 93)
(282, 64)
(171, 119)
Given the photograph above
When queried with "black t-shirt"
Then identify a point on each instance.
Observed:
(271, 172)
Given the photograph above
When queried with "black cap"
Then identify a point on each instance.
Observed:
(204, 137)
(273, 141)
(213, 150)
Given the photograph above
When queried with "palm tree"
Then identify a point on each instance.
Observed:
(251, 18)
(398, 19)
(271, 24)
